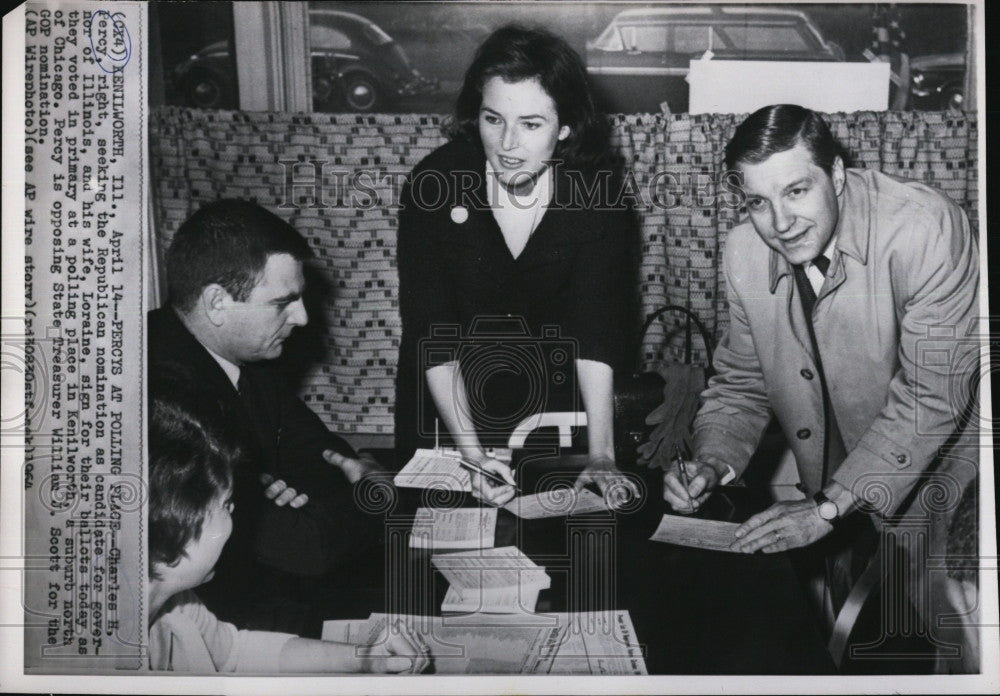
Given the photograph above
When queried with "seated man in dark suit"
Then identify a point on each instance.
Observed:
(235, 282)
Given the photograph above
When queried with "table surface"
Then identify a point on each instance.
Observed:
(694, 611)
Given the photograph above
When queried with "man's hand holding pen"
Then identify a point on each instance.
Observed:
(688, 484)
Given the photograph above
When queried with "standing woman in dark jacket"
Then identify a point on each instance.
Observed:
(514, 273)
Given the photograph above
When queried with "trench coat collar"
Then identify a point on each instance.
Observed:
(853, 231)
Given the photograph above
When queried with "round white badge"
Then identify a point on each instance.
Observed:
(459, 214)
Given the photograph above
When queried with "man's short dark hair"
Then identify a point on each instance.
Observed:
(190, 466)
(514, 53)
(778, 128)
(227, 242)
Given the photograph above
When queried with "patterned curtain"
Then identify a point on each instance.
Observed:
(336, 178)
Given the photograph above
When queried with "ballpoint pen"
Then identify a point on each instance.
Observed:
(682, 472)
(488, 475)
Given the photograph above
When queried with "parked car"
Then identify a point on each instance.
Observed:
(355, 62)
(642, 58)
(356, 66)
(937, 82)
(207, 79)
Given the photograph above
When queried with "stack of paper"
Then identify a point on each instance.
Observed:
(432, 468)
(501, 580)
(460, 528)
(578, 643)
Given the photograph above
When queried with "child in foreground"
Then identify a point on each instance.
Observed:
(190, 507)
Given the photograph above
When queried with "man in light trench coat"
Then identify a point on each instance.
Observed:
(865, 358)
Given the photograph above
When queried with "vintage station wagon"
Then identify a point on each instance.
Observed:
(642, 58)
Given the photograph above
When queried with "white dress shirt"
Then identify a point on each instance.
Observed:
(518, 215)
(232, 370)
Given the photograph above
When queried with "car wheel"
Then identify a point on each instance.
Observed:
(324, 96)
(953, 99)
(361, 92)
(205, 90)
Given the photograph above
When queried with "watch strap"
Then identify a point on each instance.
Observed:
(820, 499)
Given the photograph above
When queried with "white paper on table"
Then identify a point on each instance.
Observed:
(470, 648)
(556, 502)
(506, 566)
(601, 642)
(559, 643)
(696, 533)
(458, 528)
(437, 469)
(491, 600)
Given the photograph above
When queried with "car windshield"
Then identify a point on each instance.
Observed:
(766, 38)
(814, 33)
(610, 39)
(647, 39)
(692, 39)
(375, 34)
(329, 38)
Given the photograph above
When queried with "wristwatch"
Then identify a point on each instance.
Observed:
(827, 509)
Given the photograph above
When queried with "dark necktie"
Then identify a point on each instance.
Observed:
(241, 384)
(259, 427)
(806, 292)
(822, 263)
(248, 397)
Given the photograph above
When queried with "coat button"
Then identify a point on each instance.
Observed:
(901, 459)
(803, 434)
(807, 373)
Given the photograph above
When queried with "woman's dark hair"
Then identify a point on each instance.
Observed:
(781, 127)
(516, 53)
(190, 466)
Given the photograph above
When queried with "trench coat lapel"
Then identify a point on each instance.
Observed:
(853, 232)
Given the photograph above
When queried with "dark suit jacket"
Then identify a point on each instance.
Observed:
(281, 436)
